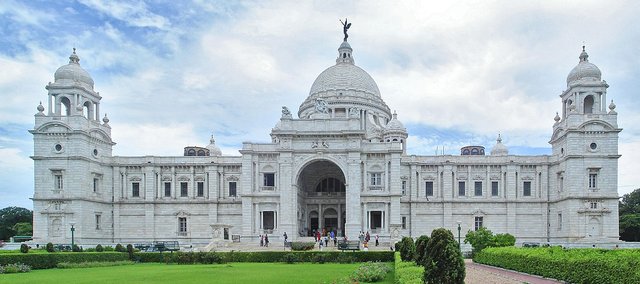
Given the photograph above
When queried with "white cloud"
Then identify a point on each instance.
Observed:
(134, 13)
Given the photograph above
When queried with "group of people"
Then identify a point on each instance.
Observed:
(264, 240)
(365, 238)
(323, 238)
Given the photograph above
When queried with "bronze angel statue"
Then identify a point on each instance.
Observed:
(345, 26)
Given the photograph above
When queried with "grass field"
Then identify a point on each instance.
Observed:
(254, 273)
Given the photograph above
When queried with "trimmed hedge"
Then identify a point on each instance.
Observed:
(300, 246)
(570, 265)
(407, 272)
(267, 256)
(51, 260)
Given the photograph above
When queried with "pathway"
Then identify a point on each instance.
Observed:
(484, 274)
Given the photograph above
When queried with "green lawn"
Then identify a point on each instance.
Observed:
(254, 273)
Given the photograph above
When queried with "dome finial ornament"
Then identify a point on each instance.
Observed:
(73, 58)
(557, 118)
(345, 26)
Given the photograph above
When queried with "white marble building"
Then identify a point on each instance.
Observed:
(342, 164)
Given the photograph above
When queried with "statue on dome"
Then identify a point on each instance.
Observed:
(322, 106)
(345, 26)
(285, 112)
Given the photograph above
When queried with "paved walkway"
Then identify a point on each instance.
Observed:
(484, 274)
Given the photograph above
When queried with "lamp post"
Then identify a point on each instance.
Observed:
(459, 222)
(72, 231)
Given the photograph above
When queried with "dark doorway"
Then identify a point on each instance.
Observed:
(376, 219)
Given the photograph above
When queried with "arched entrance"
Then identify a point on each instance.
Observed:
(321, 198)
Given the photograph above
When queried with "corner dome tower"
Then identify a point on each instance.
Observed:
(584, 71)
(73, 73)
(345, 90)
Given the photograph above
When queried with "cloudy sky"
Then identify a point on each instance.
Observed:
(173, 72)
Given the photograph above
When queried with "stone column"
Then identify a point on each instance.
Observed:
(354, 186)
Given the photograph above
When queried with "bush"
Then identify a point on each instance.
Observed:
(108, 248)
(319, 258)
(76, 248)
(51, 260)
(483, 238)
(130, 251)
(397, 246)
(24, 248)
(50, 248)
(370, 272)
(301, 246)
(276, 256)
(443, 262)
(65, 265)
(408, 249)
(407, 272)
(421, 246)
(569, 265)
(120, 248)
(14, 268)
(503, 240)
(99, 248)
(90, 250)
(290, 258)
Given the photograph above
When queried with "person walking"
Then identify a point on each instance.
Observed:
(333, 238)
(261, 241)
(377, 242)
(266, 240)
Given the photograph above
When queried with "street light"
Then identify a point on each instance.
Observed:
(72, 231)
(459, 222)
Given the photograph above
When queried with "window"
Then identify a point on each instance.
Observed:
(233, 189)
(98, 217)
(494, 188)
(59, 182)
(269, 180)
(376, 179)
(559, 221)
(428, 186)
(593, 178)
(404, 187)
(461, 188)
(182, 225)
(526, 188)
(478, 222)
(56, 206)
(167, 189)
(477, 188)
(200, 186)
(184, 190)
(593, 205)
(95, 184)
(135, 189)
(268, 220)
(404, 222)
(330, 185)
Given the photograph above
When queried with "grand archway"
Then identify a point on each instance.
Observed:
(321, 199)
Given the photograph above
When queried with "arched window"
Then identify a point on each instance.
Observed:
(330, 185)
(65, 106)
(87, 110)
(465, 152)
(191, 152)
(201, 153)
(588, 104)
(474, 151)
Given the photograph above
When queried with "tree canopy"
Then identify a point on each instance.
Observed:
(629, 211)
(9, 217)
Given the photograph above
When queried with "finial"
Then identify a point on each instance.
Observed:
(499, 140)
(557, 118)
(212, 140)
(74, 57)
(74, 50)
(105, 119)
(583, 56)
(612, 108)
(40, 109)
(395, 115)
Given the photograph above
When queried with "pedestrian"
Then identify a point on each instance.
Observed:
(266, 240)
(367, 237)
(377, 242)
(261, 241)
(320, 245)
(361, 238)
(326, 241)
(333, 238)
(285, 237)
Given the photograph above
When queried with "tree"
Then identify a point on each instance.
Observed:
(629, 210)
(479, 239)
(23, 229)
(421, 248)
(9, 217)
(442, 261)
(407, 250)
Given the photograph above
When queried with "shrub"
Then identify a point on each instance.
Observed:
(569, 265)
(15, 268)
(407, 249)
(443, 262)
(64, 265)
(50, 260)
(397, 246)
(319, 258)
(50, 247)
(407, 272)
(277, 256)
(24, 248)
(130, 251)
(370, 272)
(503, 240)
(120, 248)
(99, 248)
(301, 246)
(421, 245)
(479, 239)
(290, 258)
(90, 250)
(108, 248)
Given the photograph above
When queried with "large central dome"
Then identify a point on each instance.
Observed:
(345, 87)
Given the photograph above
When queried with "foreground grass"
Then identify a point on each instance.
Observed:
(261, 273)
